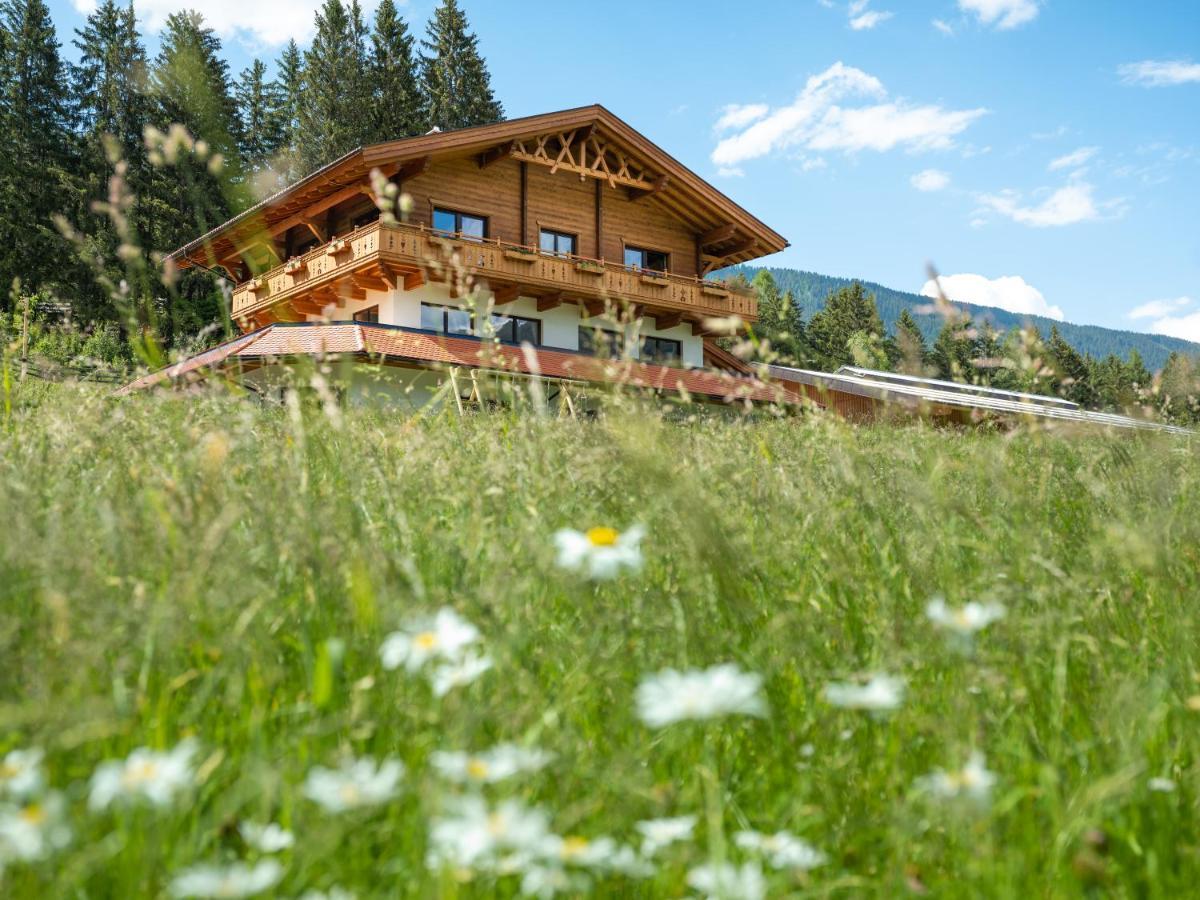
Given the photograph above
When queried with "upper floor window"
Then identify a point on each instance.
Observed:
(370, 314)
(558, 243)
(599, 342)
(651, 260)
(515, 330)
(663, 351)
(467, 225)
(446, 319)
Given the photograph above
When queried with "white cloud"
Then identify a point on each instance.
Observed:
(730, 172)
(930, 180)
(263, 22)
(1159, 309)
(739, 115)
(1074, 159)
(1003, 14)
(1066, 206)
(1160, 72)
(1011, 292)
(943, 27)
(869, 20)
(817, 120)
(812, 162)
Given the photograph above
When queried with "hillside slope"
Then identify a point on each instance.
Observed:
(811, 289)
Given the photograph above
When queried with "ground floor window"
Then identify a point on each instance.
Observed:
(599, 342)
(370, 314)
(445, 319)
(663, 351)
(515, 330)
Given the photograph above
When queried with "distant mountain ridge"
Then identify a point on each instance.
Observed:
(811, 290)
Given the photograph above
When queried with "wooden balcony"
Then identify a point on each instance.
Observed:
(385, 255)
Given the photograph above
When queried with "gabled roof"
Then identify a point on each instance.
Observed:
(687, 195)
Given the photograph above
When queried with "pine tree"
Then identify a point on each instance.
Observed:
(953, 354)
(260, 118)
(334, 112)
(1072, 374)
(847, 311)
(1179, 390)
(457, 85)
(396, 104)
(289, 86)
(793, 325)
(37, 157)
(909, 342)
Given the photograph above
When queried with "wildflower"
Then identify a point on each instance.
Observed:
(782, 850)
(1161, 785)
(443, 636)
(152, 775)
(880, 693)
(472, 835)
(660, 833)
(729, 882)
(549, 881)
(269, 838)
(974, 781)
(671, 696)
(501, 762)
(33, 830)
(237, 880)
(21, 773)
(334, 893)
(459, 673)
(356, 783)
(966, 620)
(599, 552)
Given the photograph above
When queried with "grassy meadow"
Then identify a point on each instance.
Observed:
(207, 572)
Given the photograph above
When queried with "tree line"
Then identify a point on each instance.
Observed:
(849, 331)
(117, 152)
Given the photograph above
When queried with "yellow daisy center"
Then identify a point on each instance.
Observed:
(33, 814)
(140, 773)
(477, 768)
(7, 771)
(349, 793)
(426, 640)
(573, 846)
(602, 536)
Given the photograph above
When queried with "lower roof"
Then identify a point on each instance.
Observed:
(396, 345)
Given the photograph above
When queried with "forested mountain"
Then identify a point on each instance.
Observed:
(811, 289)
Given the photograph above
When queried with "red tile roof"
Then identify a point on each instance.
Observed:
(391, 344)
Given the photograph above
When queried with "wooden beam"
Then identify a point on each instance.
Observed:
(593, 307)
(739, 247)
(318, 231)
(493, 156)
(718, 235)
(413, 168)
(547, 302)
(413, 280)
(660, 185)
(505, 293)
(599, 219)
(310, 307)
(524, 203)
(320, 206)
(668, 321)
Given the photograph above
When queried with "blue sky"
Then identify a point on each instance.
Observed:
(1043, 154)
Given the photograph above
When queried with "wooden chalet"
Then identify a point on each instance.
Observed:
(569, 233)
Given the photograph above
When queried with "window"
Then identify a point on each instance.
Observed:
(557, 243)
(599, 342)
(515, 330)
(466, 225)
(445, 319)
(370, 314)
(651, 260)
(662, 351)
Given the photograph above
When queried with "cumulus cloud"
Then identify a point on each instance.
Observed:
(930, 180)
(1074, 159)
(737, 115)
(869, 19)
(1002, 14)
(1010, 292)
(943, 27)
(820, 119)
(264, 22)
(1159, 309)
(1160, 72)
(1069, 205)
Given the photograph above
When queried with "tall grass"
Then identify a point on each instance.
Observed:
(203, 567)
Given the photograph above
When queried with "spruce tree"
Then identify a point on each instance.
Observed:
(1072, 374)
(847, 311)
(289, 87)
(260, 118)
(458, 89)
(334, 112)
(396, 104)
(953, 354)
(909, 342)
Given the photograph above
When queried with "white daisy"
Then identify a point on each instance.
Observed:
(660, 833)
(334, 893)
(974, 781)
(355, 783)
(670, 696)
(965, 620)
(729, 882)
(443, 636)
(459, 673)
(21, 773)
(34, 829)
(472, 835)
(550, 881)
(600, 552)
(1161, 785)
(490, 766)
(880, 693)
(782, 850)
(152, 775)
(269, 838)
(236, 880)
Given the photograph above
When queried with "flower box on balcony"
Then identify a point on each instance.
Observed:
(715, 289)
(257, 285)
(292, 266)
(520, 255)
(656, 279)
(338, 247)
(589, 268)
